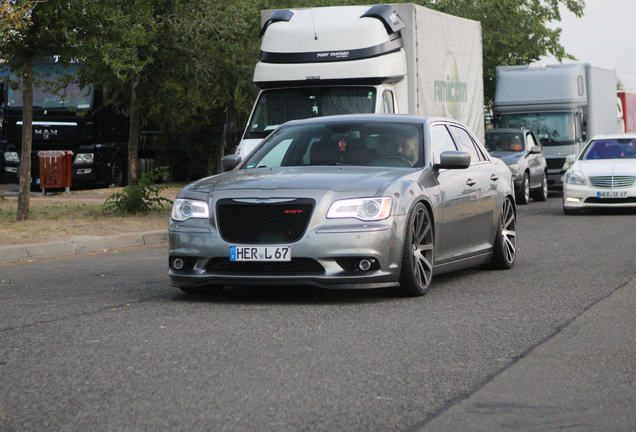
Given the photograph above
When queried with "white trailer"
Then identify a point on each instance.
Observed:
(400, 58)
(564, 104)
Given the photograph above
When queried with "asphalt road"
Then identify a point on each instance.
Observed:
(102, 342)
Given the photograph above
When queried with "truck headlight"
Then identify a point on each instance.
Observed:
(84, 158)
(184, 209)
(574, 178)
(366, 209)
(11, 157)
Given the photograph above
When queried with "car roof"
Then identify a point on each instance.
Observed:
(393, 118)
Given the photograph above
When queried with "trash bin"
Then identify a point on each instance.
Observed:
(55, 169)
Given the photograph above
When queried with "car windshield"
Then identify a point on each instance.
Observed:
(278, 106)
(553, 129)
(71, 95)
(504, 141)
(370, 143)
(610, 149)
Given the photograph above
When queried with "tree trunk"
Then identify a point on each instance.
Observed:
(133, 137)
(24, 191)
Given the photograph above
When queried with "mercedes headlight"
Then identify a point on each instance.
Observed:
(366, 209)
(574, 178)
(514, 167)
(184, 209)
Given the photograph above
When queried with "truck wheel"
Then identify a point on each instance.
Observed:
(523, 197)
(541, 194)
(116, 174)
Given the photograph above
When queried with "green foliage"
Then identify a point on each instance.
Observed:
(140, 198)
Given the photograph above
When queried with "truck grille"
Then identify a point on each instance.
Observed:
(613, 181)
(263, 223)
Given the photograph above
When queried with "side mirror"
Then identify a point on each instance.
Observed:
(453, 160)
(571, 158)
(229, 162)
(230, 134)
(535, 150)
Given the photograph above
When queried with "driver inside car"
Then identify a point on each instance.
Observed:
(409, 148)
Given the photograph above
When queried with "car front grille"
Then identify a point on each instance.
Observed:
(594, 200)
(555, 163)
(243, 221)
(270, 268)
(613, 181)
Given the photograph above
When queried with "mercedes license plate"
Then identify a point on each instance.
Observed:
(260, 253)
(613, 194)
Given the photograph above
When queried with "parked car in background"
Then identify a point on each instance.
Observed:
(356, 201)
(522, 152)
(603, 176)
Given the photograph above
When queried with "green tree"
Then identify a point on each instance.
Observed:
(32, 29)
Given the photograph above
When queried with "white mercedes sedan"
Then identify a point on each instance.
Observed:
(604, 175)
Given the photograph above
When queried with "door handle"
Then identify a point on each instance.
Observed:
(470, 182)
(494, 177)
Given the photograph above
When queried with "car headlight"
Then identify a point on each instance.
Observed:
(366, 209)
(184, 209)
(574, 178)
(514, 167)
(84, 158)
(11, 157)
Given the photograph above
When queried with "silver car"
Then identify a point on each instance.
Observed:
(360, 201)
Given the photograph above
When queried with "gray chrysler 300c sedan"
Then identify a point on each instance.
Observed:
(360, 201)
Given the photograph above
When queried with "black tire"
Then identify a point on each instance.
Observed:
(203, 290)
(116, 174)
(417, 255)
(505, 247)
(541, 194)
(523, 197)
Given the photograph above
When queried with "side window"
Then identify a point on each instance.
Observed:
(441, 141)
(388, 107)
(466, 143)
(530, 141)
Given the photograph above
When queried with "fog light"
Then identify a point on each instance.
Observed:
(177, 264)
(364, 264)
(573, 200)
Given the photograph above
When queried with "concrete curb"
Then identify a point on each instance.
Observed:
(85, 245)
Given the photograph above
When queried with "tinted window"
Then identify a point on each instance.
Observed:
(441, 141)
(466, 143)
(343, 143)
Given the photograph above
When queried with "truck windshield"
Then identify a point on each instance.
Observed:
(553, 129)
(275, 107)
(70, 96)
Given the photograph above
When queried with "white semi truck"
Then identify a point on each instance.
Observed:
(399, 58)
(564, 104)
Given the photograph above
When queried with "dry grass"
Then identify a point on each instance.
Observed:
(78, 215)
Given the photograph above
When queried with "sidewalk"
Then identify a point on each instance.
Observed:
(80, 246)
(77, 244)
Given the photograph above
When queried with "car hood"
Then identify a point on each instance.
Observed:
(507, 157)
(609, 166)
(335, 178)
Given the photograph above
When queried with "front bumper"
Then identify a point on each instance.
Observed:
(581, 197)
(328, 247)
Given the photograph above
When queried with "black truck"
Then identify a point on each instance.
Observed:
(77, 119)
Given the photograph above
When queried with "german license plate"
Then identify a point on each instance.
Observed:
(260, 253)
(613, 194)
